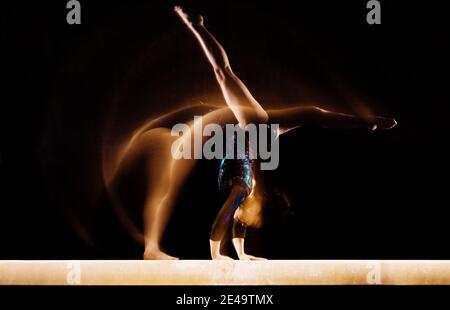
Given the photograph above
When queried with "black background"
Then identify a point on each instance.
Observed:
(354, 194)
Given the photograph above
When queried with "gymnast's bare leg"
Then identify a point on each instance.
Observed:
(237, 96)
(158, 208)
(291, 118)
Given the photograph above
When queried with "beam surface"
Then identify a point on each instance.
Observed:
(202, 272)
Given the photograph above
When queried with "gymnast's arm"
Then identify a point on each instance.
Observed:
(291, 118)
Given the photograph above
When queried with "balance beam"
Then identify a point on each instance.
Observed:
(201, 272)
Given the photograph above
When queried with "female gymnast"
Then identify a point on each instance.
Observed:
(151, 145)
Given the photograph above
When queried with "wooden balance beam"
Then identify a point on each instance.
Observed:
(200, 272)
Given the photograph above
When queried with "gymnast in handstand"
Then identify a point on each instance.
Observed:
(236, 175)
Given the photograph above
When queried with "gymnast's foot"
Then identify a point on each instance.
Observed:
(154, 253)
(383, 123)
(190, 22)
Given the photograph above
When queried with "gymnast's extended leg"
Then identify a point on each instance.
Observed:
(290, 118)
(245, 108)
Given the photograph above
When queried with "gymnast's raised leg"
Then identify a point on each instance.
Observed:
(236, 94)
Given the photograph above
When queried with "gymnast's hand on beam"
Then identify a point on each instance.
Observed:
(250, 257)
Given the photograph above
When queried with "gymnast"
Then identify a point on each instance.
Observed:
(165, 176)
